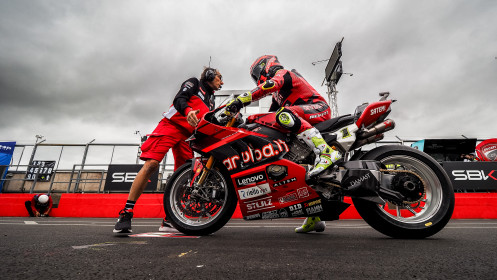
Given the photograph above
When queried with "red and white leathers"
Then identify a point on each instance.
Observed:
(291, 91)
(300, 106)
(173, 129)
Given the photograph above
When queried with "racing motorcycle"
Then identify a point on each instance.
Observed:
(399, 191)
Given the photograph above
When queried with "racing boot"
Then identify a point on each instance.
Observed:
(311, 224)
(326, 156)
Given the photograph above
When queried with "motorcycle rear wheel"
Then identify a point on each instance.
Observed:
(417, 220)
(191, 215)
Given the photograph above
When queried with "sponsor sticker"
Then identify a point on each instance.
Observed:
(288, 198)
(285, 182)
(270, 215)
(260, 204)
(378, 110)
(254, 191)
(253, 217)
(255, 155)
(313, 207)
(251, 179)
(303, 192)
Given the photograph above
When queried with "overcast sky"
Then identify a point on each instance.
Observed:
(74, 71)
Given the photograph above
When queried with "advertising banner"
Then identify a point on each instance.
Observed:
(121, 176)
(487, 150)
(6, 152)
(472, 176)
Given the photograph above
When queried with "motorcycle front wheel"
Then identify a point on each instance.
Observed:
(422, 218)
(199, 210)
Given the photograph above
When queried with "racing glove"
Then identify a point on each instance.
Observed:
(238, 103)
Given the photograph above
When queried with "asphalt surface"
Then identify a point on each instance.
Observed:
(71, 248)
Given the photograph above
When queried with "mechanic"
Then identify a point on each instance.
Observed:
(39, 206)
(298, 107)
(193, 100)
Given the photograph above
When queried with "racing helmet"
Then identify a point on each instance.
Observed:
(264, 68)
(43, 199)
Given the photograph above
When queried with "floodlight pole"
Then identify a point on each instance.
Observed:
(332, 98)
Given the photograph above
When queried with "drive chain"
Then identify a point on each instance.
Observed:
(328, 184)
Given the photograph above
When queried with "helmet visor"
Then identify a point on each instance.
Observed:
(256, 72)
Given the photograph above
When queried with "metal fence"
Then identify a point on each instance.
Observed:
(78, 167)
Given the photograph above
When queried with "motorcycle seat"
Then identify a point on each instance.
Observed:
(334, 123)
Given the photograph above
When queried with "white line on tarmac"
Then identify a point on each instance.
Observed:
(451, 225)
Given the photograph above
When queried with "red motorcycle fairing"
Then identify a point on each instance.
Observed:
(372, 113)
(268, 120)
(239, 148)
(221, 135)
(263, 197)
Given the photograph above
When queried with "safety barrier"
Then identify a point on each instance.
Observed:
(467, 206)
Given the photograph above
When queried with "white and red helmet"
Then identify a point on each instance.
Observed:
(264, 68)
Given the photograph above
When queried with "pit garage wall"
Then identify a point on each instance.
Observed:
(467, 206)
(479, 179)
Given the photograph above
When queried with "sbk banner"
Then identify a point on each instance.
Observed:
(473, 176)
(121, 176)
(487, 150)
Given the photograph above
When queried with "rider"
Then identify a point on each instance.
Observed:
(300, 107)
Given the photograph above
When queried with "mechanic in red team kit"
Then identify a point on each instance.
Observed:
(299, 106)
(40, 205)
(193, 100)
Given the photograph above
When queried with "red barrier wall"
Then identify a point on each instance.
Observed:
(468, 206)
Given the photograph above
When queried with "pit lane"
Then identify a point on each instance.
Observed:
(85, 248)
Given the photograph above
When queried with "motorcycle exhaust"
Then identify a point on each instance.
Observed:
(380, 128)
(371, 139)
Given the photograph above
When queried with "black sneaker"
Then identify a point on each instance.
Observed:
(123, 225)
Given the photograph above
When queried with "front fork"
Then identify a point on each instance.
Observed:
(200, 170)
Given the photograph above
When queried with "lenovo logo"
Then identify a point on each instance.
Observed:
(251, 179)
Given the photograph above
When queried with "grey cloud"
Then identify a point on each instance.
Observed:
(73, 69)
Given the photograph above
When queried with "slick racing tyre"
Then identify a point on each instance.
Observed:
(199, 210)
(430, 195)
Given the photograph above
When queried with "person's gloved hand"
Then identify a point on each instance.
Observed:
(238, 103)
